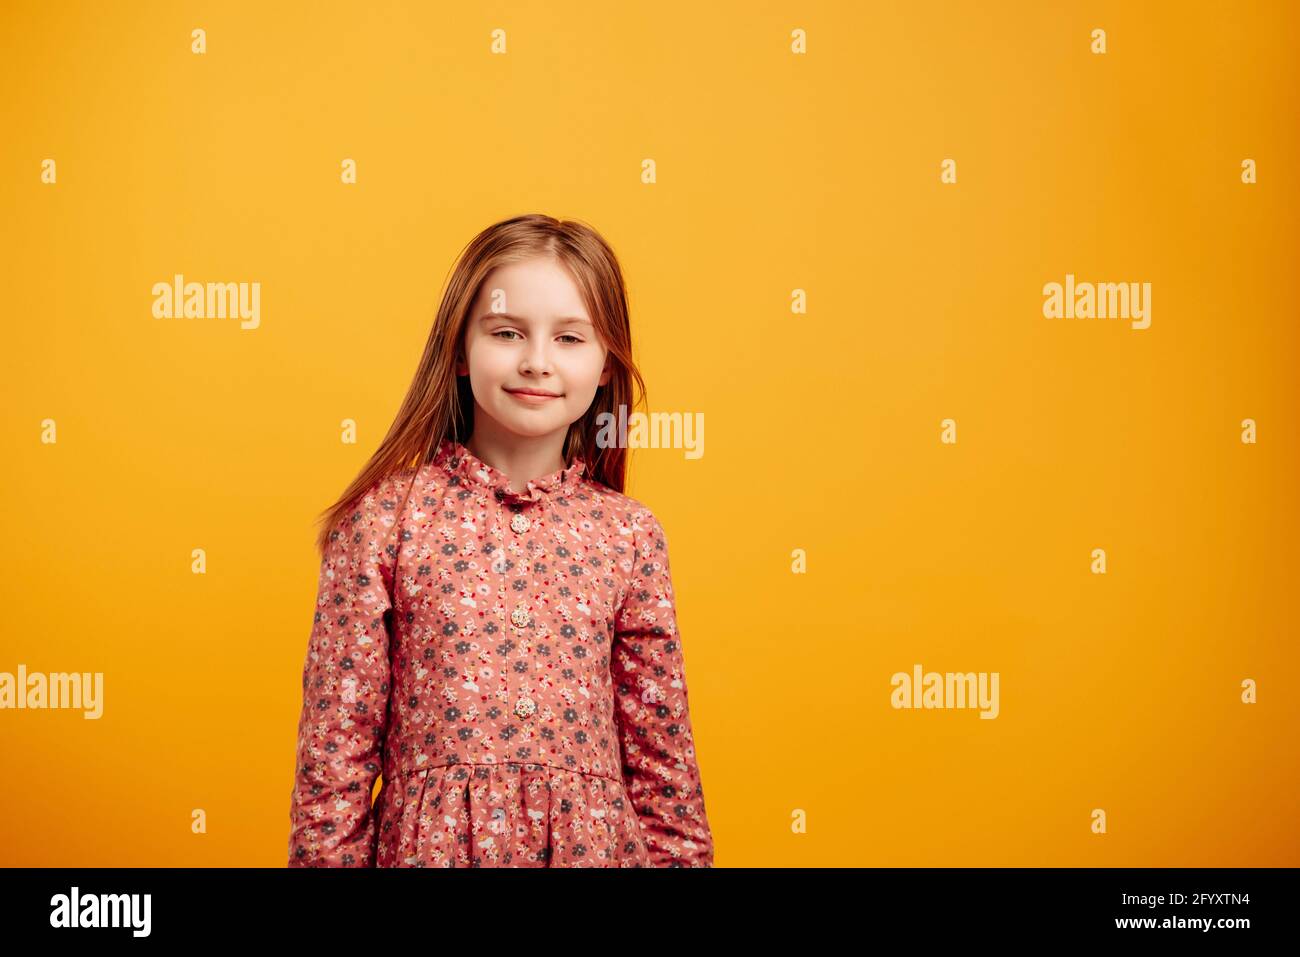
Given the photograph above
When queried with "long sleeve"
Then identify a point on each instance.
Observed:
(652, 713)
(345, 686)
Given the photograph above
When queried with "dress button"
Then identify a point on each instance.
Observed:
(525, 707)
(521, 617)
(520, 523)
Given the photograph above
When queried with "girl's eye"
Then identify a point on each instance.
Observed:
(509, 334)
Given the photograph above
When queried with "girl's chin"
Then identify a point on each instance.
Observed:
(530, 424)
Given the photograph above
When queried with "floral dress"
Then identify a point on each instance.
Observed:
(510, 662)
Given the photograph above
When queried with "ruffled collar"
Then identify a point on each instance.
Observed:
(455, 459)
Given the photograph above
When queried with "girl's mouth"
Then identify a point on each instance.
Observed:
(532, 397)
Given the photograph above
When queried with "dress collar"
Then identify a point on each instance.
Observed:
(455, 459)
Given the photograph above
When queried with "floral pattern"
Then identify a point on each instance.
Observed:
(510, 662)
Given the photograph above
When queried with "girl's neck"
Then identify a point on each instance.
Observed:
(521, 459)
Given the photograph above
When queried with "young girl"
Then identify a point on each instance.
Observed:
(495, 627)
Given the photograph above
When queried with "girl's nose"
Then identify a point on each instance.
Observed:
(537, 359)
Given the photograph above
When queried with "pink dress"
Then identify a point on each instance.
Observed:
(511, 663)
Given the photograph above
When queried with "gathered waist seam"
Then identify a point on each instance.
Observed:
(408, 769)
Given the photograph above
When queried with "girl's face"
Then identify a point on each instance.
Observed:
(528, 330)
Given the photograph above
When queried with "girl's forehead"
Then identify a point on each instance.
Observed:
(536, 296)
(543, 274)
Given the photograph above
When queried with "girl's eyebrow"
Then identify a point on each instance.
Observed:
(489, 316)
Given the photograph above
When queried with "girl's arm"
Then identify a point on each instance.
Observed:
(652, 713)
(345, 683)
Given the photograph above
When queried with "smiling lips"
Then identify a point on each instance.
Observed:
(533, 396)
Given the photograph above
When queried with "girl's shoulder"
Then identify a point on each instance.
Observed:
(632, 515)
(400, 493)
(613, 501)
(405, 482)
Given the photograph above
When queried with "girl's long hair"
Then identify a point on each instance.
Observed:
(440, 404)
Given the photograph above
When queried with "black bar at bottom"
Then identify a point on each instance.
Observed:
(329, 908)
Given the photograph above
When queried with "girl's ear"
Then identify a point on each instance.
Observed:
(605, 373)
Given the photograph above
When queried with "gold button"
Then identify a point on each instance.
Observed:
(520, 523)
(524, 707)
(521, 617)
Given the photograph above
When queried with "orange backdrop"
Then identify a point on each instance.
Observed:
(776, 171)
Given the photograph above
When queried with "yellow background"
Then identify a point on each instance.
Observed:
(775, 172)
